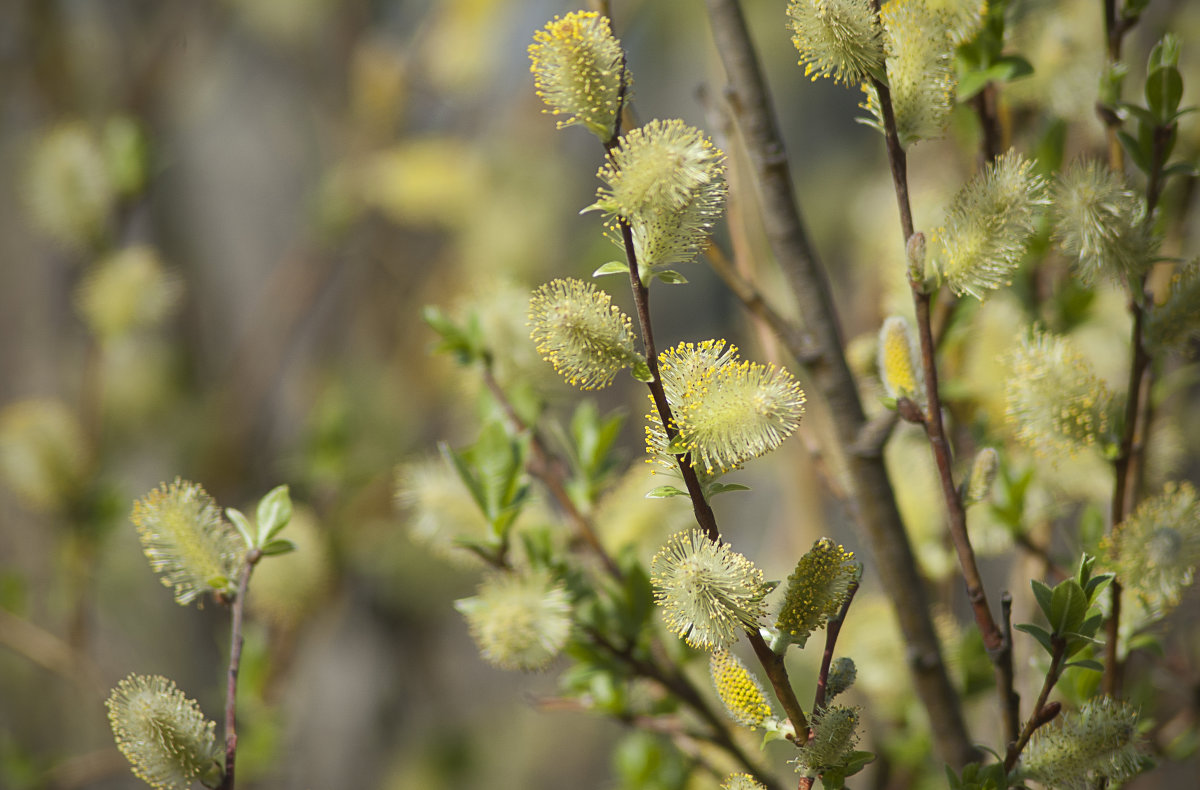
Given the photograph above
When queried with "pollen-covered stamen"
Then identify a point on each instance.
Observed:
(578, 68)
(836, 38)
(519, 621)
(834, 736)
(920, 70)
(988, 225)
(581, 333)
(164, 735)
(667, 180)
(1100, 221)
(741, 782)
(187, 541)
(816, 589)
(1092, 748)
(708, 592)
(726, 410)
(1157, 549)
(1054, 399)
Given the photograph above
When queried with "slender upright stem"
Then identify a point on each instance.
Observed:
(832, 629)
(1042, 713)
(1128, 465)
(871, 499)
(235, 660)
(956, 516)
(641, 299)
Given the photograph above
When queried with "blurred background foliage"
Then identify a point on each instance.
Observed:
(219, 222)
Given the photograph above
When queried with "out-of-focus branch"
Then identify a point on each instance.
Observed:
(872, 500)
(797, 343)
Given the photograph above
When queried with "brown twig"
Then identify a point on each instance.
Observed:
(669, 676)
(1128, 465)
(1042, 713)
(772, 664)
(798, 344)
(832, 629)
(546, 469)
(235, 661)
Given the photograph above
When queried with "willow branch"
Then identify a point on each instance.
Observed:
(772, 664)
(1128, 465)
(872, 501)
(832, 629)
(235, 661)
(797, 343)
(545, 468)
(677, 683)
(999, 650)
(1042, 713)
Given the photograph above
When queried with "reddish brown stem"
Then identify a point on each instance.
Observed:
(832, 629)
(1040, 714)
(869, 490)
(956, 517)
(235, 661)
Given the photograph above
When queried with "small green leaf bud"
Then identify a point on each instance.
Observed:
(842, 674)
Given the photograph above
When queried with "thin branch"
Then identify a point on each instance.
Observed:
(999, 651)
(544, 467)
(795, 340)
(235, 661)
(772, 664)
(670, 677)
(832, 629)
(1042, 713)
(1011, 701)
(1128, 465)
(872, 500)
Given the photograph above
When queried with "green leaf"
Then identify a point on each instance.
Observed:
(465, 343)
(641, 372)
(721, 488)
(664, 492)
(1164, 90)
(1096, 585)
(1006, 68)
(1038, 633)
(274, 513)
(670, 277)
(276, 547)
(1043, 595)
(1139, 157)
(1087, 663)
(612, 267)
(1090, 626)
(1185, 169)
(239, 520)
(467, 475)
(1068, 606)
